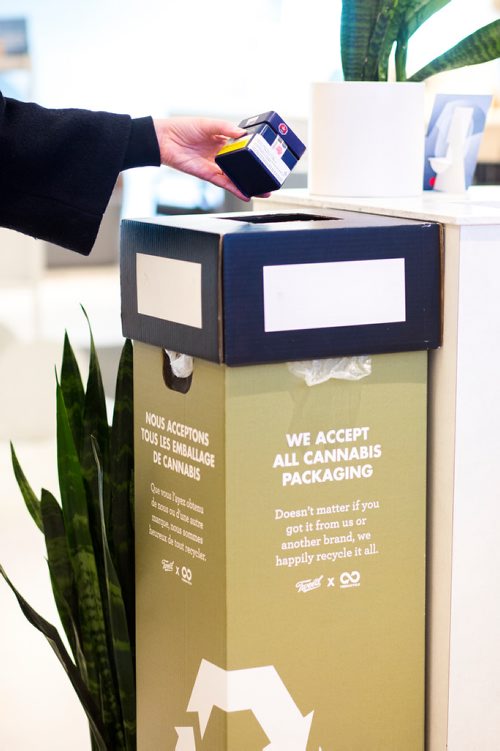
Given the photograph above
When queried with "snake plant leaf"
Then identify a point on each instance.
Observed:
(91, 611)
(30, 499)
(479, 47)
(417, 13)
(73, 392)
(356, 24)
(95, 422)
(401, 57)
(394, 34)
(120, 638)
(420, 12)
(61, 573)
(75, 516)
(51, 634)
(121, 528)
(392, 28)
(381, 41)
(77, 649)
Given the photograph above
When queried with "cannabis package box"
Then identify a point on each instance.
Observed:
(261, 160)
(250, 288)
(280, 557)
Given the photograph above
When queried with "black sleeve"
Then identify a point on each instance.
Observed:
(58, 168)
(143, 149)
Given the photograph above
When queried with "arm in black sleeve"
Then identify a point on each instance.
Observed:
(142, 149)
(58, 168)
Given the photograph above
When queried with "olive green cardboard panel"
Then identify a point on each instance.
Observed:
(281, 591)
(178, 619)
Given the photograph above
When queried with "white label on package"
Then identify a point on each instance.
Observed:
(169, 289)
(324, 295)
(269, 157)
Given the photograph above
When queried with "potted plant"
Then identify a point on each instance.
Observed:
(353, 120)
(89, 538)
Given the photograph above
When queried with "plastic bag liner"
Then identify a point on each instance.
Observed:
(343, 368)
(182, 365)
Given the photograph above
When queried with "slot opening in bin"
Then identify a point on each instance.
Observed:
(275, 218)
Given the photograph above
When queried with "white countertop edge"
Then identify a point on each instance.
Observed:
(480, 205)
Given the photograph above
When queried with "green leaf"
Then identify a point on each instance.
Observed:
(419, 13)
(72, 389)
(416, 12)
(395, 35)
(356, 27)
(75, 516)
(401, 57)
(50, 632)
(381, 41)
(479, 47)
(91, 612)
(95, 423)
(61, 572)
(121, 527)
(77, 649)
(120, 638)
(30, 499)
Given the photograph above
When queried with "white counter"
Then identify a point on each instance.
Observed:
(480, 205)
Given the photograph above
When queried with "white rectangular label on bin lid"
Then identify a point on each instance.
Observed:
(169, 289)
(323, 295)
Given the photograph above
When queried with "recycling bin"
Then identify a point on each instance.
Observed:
(281, 526)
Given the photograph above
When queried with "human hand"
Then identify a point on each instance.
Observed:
(189, 144)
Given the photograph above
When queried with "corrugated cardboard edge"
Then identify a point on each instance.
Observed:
(220, 300)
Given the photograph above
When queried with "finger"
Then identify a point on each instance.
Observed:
(224, 128)
(218, 138)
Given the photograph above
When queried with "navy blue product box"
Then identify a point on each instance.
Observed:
(251, 288)
(279, 126)
(261, 160)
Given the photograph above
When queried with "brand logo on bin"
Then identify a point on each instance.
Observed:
(283, 128)
(350, 579)
(307, 585)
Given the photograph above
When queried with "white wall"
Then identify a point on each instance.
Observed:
(157, 56)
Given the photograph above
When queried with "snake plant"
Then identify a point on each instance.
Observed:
(370, 29)
(89, 539)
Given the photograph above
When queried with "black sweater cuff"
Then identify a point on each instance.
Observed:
(143, 149)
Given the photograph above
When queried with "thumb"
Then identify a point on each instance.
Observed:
(224, 128)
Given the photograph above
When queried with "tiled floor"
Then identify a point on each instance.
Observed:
(38, 709)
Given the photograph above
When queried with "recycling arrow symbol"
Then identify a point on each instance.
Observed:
(185, 739)
(260, 690)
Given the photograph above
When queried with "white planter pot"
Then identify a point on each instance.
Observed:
(366, 138)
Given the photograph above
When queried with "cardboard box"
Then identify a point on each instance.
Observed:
(250, 288)
(280, 558)
(261, 160)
